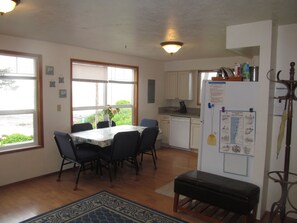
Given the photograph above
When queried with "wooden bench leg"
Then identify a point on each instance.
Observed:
(250, 218)
(175, 204)
(254, 215)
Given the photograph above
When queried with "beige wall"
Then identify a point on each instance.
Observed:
(27, 164)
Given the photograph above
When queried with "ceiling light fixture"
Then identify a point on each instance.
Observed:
(171, 46)
(8, 5)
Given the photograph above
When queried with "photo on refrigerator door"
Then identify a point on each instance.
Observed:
(237, 132)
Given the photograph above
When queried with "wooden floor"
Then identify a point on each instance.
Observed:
(26, 199)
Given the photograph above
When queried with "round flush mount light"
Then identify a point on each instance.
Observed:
(8, 5)
(171, 46)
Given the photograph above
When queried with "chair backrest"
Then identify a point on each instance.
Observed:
(148, 139)
(124, 145)
(149, 122)
(104, 124)
(81, 127)
(65, 145)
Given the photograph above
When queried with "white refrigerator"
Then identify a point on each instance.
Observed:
(228, 128)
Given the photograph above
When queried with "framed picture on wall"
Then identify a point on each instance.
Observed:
(49, 70)
(62, 93)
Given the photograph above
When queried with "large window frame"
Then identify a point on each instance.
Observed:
(133, 106)
(36, 112)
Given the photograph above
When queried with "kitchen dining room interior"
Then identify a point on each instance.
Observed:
(219, 104)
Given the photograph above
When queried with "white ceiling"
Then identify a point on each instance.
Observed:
(136, 27)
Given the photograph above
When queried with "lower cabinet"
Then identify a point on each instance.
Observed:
(195, 133)
(164, 124)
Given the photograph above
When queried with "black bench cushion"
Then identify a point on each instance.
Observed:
(234, 195)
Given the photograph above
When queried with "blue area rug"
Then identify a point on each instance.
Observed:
(104, 207)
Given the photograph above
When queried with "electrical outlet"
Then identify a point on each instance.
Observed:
(59, 108)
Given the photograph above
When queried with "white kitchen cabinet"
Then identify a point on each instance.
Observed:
(171, 85)
(185, 85)
(179, 85)
(164, 124)
(195, 133)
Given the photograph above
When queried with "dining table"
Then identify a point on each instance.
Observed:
(103, 137)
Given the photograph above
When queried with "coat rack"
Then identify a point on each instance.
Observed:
(283, 177)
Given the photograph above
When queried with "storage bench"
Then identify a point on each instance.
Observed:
(222, 192)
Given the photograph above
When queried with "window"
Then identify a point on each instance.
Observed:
(20, 96)
(96, 85)
(204, 75)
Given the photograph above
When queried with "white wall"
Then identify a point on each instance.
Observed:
(286, 53)
(27, 164)
(238, 36)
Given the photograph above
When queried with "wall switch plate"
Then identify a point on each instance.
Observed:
(59, 107)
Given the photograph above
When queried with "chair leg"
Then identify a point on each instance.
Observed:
(116, 167)
(61, 169)
(77, 178)
(99, 166)
(154, 159)
(155, 153)
(109, 170)
(136, 165)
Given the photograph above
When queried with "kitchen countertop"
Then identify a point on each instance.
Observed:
(174, 111)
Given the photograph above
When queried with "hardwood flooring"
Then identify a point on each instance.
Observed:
(26, 199)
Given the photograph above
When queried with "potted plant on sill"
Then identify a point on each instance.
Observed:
(111, 112)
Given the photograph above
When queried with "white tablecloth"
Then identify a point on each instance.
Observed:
(102, 137)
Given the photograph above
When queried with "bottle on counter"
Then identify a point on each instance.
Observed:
(237, 70)
(245, 72)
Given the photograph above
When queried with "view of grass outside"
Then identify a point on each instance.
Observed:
(15, 138)
(16, 129)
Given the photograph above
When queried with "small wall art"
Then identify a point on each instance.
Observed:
(52, 83)
(49, 70)
(61, 80)
(62, 93)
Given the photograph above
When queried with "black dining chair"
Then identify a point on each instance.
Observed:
(123, 148)
(147, 143)
(146, 122)
(149, 122)
(71, 155)
(81, 127)
(105, 124)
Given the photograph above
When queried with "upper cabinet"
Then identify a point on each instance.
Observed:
(179, 85)
(171, 85)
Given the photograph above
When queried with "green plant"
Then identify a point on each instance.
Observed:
(14, 138)
(110, 111)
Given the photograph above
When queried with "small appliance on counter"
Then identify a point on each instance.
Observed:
(182, 107)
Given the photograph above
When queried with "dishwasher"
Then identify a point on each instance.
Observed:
(179, 135)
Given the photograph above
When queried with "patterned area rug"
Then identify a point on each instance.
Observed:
(104, 207)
